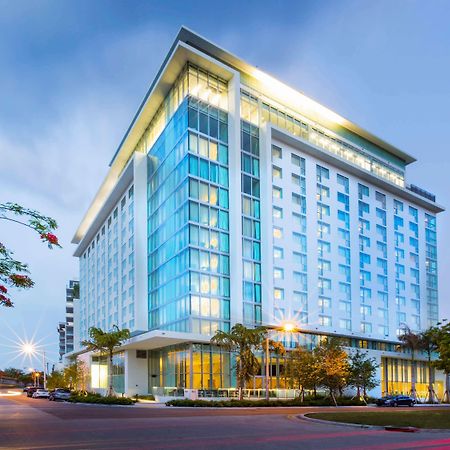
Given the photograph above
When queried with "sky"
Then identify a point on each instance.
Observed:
(72, 75)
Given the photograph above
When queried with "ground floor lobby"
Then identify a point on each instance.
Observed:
(200, 369)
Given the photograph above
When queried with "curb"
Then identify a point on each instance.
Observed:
(403, 429)
(340, 424)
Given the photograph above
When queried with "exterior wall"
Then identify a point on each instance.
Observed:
(383, 274)
(107, 272)
(136, 374)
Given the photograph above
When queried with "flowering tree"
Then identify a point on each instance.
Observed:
(14, 273)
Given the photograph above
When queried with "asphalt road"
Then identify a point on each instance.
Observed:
(27, 423)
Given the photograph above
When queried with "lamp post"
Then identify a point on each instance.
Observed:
(287, 328)
(30, 349)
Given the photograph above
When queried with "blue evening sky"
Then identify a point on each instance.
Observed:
(72, 75)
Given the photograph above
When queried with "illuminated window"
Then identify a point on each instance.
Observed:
(278, 294)
(277, 233)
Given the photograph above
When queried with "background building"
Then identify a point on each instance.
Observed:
(233, 198)
(66, 328)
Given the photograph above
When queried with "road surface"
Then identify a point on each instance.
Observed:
(31, 424)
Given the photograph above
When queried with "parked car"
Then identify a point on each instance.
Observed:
(31, 390)
(395, 400)
(41, 393)
(59, 394)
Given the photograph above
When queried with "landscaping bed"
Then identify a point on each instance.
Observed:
(264, 403)
(99, 399)
(439, 418)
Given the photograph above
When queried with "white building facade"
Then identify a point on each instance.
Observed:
(233, 199)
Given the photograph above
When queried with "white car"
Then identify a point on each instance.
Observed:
(41, 393)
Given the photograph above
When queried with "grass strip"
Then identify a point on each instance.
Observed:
(435, 418)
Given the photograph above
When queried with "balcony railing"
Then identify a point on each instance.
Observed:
(422, 192)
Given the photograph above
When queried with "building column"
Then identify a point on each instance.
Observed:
(234, 164)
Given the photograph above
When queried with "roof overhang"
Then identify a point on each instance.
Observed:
(155, 339)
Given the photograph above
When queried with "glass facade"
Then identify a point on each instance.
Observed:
(251, 219)
(396, 376)
(188, 219)
(99, 372)
(192, 81)
(209, 252)
(193, 366)
(431, 270)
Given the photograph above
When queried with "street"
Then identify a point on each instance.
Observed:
(27, 423)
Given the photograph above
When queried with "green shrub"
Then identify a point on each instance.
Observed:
(320, 401)
(145, 397)
(93, 397)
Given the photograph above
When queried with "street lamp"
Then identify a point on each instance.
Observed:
(29, 349)
(287, 327)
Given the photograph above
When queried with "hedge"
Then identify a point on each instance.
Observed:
(99, 399)
(342, 401)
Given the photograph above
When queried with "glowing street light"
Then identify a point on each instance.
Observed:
(30, 349)
(287, 327)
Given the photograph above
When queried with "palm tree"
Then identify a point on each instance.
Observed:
(412, 342)
(442, 339)
(244, 341)
(106, 342)
(429, 346)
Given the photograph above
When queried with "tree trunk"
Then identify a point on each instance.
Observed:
(358, 392)
(110, 392)
(333, 397)
(430, 381)
(447, 388)
(240, 380)
(413, 377)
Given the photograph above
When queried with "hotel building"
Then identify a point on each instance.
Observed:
(234, 198)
